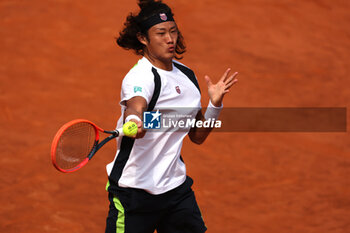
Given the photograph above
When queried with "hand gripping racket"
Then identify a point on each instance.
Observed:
(77, 141)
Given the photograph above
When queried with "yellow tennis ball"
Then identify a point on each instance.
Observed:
(130, 128)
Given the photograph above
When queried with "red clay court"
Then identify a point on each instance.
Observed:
(59, 61)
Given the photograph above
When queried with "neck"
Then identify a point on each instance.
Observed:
(161, 64)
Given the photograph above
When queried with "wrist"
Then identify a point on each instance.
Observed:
(212, 111)
(132, 117)
(215, 105)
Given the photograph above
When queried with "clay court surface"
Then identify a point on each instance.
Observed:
(59, 61)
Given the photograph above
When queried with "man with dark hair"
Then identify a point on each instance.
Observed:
(148, 186)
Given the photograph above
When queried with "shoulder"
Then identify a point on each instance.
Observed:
(139, 81)
(179, 64)
(140, 72)
(184, 69)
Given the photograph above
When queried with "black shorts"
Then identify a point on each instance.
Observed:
(136, 211)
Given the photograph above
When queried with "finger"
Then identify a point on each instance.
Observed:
(229, 79)
(234, 74)
(140, 132)
(228, 85)
(140, 135)
(208, 80)
(224, 76)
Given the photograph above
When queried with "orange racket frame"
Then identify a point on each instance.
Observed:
(95, 148)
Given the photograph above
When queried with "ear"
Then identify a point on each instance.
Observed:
(142, 38)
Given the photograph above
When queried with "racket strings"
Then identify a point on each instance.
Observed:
(75, 144)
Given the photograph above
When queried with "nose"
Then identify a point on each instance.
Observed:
(169, 38)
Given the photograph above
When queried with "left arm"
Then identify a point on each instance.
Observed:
(216, 94)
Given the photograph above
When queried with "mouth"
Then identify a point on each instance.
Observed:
(171, 49)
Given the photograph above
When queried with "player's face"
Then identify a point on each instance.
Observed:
(162, 39)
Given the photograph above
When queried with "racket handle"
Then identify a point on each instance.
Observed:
(120, 132)
(116, 133)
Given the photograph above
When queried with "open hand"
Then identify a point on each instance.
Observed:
(217, 91)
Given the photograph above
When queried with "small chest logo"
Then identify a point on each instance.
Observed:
(178, 89)
(163, 16)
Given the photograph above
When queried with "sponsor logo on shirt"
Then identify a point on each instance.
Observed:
(178, 89)
(137, 89)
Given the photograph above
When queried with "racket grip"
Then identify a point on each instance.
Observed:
(120, 132)
(116, 133)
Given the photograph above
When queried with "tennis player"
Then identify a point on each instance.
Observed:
(148, 186)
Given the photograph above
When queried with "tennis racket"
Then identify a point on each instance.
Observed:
(77, 141)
